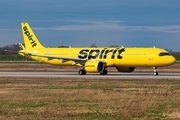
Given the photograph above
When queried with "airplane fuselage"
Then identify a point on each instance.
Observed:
(136, 57)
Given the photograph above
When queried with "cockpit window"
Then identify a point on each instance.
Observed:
(163, 54)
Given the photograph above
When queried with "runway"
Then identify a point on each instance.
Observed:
(113, 75)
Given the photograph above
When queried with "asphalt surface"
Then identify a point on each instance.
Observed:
(112, 75)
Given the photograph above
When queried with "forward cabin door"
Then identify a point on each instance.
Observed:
(151, 55)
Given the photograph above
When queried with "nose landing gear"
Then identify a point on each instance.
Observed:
(155, 73)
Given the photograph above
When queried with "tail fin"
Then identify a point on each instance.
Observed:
(30, 39)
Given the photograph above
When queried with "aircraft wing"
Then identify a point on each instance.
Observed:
(76, 60)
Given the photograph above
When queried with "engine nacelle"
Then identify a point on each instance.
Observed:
(94, 66)
(125, 69)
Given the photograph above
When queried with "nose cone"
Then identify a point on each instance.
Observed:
(167, 60)
(172, 60)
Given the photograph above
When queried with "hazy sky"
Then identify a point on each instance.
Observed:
(80, 23)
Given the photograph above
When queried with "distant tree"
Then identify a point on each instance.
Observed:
(93, 45)
(9, 49)
(114, 46)
(1, 51)
(63, 46)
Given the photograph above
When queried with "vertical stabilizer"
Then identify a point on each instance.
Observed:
(30, 39)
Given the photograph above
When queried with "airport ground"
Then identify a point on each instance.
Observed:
(31, 66)
(86, 98)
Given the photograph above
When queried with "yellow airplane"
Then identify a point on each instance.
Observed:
(94, 59)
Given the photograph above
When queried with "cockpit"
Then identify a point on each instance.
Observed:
(164, 54)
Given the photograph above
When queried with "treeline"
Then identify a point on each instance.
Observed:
(10, 53)
(9, 49)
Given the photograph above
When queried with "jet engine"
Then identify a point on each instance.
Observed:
(125, 69)
(94, 66)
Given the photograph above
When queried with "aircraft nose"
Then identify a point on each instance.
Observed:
(172, 61)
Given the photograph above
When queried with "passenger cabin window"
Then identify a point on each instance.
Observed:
(164, 54)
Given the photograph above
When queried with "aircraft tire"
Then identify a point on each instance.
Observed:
(82, 72)
(104, 72)
(155, 73)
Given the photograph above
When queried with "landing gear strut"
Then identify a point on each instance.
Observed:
(82, 72)
(155, 73)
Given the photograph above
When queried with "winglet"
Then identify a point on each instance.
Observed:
(23, 51)
(22, 46)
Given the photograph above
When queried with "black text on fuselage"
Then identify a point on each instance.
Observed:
(101, 54)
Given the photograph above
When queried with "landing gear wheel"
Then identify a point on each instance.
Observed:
(82, 72)
(104, 72)
(155, 73)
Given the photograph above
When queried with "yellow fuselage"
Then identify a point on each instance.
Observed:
(112, 57)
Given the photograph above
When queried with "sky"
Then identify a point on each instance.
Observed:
(80, 23)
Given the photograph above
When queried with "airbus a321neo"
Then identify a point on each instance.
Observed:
(95, 60)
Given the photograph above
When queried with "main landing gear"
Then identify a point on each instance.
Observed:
(155, 73)
(83, 72)
(104, 72)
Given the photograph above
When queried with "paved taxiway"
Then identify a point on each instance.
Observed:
(112, 75)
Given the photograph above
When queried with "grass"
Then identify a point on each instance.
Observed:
(36, 98)
(12, 58)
